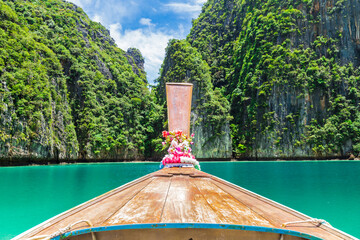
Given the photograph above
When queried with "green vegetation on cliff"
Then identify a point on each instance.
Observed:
(66, 88)
(271, 78)
(210, 109)
(290, 72)
(294, 96)
(35, 113)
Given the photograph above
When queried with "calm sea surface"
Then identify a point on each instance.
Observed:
(328, 190)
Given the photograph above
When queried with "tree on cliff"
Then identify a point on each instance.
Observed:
(290, 71)
(66, 90)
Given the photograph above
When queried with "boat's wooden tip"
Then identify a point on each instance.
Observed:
(191, 172)
(179, 83)
(184, 195)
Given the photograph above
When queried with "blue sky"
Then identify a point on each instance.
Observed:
(145, 24)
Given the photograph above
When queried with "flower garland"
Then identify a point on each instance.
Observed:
(179, 150)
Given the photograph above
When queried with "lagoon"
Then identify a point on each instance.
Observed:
(327, 190)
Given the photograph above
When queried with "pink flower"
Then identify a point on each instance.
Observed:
(179, 147)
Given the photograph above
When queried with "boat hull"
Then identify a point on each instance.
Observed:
(182, 202)
(185, 231)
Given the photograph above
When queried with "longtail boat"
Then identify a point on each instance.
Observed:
(181, 202)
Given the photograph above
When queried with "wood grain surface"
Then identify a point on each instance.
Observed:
(182, 195)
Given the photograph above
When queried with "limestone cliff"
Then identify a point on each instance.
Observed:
(35, 116)
(290, 72)
(332, 19)
(66, 90)
(137, 62)
(209, 110)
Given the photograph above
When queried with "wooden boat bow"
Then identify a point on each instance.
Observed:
(181, 202)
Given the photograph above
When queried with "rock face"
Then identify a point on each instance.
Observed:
(209, 110)
(137, 62)
(35, 116)
(224, 21)
(290, 72)
(66, 90)
(332, 19)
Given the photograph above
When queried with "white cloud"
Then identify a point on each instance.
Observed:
(80, 3)
(150, 38)
(181, 30)
(183, 7)
(152, 45)
(97, 18)
(115, 32)
(146, 22)
(192, 7)
(105, 11)
(200, 1)
(97, 4)
(134, 3)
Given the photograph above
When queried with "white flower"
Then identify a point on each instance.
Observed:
(189, 160)
(174, 143)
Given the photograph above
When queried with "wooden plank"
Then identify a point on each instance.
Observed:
(145, 207)
(233, 211)
(181, 171)
(178, 98)
(185, 204)
(182, 195)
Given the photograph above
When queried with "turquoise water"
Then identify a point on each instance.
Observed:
(327, 190)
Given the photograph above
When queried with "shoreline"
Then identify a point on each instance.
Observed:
(14, 162)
